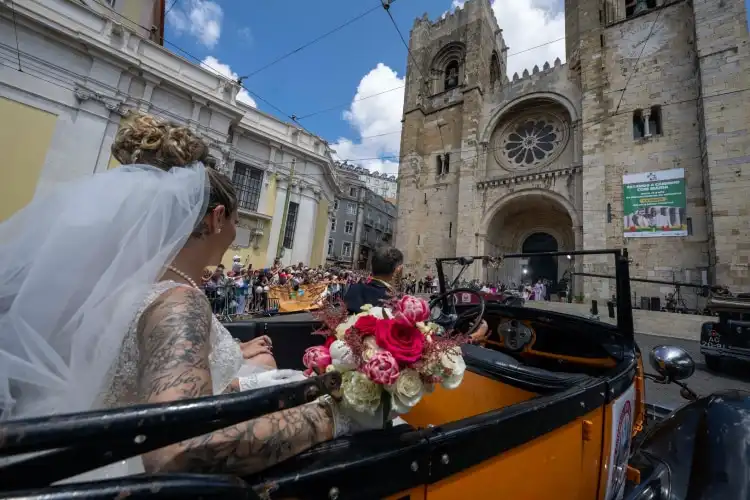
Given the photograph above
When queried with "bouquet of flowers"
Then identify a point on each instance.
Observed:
(389, 354)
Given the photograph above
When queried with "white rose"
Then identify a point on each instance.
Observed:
(343, 327)
(454, 367)
(360, 393)
(407, 391)
(378, 312)
(342, 357)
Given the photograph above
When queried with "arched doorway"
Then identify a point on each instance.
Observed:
(542, 266)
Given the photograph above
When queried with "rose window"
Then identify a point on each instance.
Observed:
(531, 142)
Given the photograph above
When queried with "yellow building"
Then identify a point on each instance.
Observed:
(68, 100)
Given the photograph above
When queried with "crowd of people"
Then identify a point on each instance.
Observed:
(242, 290)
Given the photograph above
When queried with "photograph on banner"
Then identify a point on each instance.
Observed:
(654, 204)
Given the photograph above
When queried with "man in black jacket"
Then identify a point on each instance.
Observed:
(387, 263)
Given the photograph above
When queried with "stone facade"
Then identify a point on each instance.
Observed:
(545, 152)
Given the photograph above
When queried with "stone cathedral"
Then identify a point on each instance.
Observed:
(655, 91)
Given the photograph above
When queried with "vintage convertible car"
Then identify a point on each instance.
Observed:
(729, 337)
(551, 407)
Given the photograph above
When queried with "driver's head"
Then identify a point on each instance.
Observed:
(386, 261)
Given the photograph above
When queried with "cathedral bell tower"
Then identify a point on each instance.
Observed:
(453, 64)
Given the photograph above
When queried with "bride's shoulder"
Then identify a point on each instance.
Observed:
(171, 301)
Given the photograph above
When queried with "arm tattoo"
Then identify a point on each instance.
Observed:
(174, 339)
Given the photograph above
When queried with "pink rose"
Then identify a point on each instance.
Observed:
(382, 368)
(413, 309)
(317, 358)
(402, 339)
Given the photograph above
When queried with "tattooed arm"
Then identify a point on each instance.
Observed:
(174, 339)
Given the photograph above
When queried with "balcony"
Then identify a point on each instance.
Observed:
(368, 222)
(388, 229)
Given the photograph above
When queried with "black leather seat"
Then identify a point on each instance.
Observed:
(509, 370)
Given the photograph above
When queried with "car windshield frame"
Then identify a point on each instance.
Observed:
(624, 307)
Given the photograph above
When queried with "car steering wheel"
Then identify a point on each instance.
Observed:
(450, 319)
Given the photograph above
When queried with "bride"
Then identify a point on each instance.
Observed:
(114, 260)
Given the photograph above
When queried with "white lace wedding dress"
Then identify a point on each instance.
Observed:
(226, 364)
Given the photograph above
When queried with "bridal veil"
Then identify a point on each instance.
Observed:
(75, 262)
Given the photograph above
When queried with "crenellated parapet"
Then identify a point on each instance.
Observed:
(536, 73)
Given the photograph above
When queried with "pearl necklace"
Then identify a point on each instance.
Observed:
(183, 276)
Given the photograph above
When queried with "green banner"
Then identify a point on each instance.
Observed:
(654, 204)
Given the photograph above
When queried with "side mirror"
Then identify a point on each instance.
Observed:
(672, 363)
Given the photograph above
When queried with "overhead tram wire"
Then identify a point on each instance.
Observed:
(484, 152)
(169, 9)
(387, 7)
(200, 62)
(344, 105)
(354, 160)
(634, 67)
(15, 30)
(314, 41)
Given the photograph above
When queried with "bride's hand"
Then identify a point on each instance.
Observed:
(256, 346)
(347, 421)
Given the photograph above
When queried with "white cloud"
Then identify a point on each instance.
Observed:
(199, 18)
(526, 24)
(377, 121)
(212, 63)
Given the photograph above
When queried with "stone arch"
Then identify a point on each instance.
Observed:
(504, 201)
(516, 216)
(554, 97)
(451, 54)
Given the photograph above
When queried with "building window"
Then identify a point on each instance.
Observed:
(639, 127)
(346, 249)
(451, 75)
(494, 68)
(635, 7)
(439, 164)
(353, 192)
(351, 209)
(330, 247)
(291, 224)
(447, 163)
(248, 181)
(333, 224)
(349, 227)
(335, 204)
(648, 124)
(654, 121)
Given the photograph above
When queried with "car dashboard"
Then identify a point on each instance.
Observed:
(552, 341)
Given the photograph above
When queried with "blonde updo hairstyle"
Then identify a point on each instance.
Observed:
(149, 140)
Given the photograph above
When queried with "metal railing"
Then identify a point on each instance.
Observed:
(230, 302)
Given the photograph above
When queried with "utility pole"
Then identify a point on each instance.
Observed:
(280, 244)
